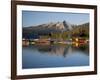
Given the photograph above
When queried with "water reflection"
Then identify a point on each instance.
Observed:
(61, 50)
(55, 56)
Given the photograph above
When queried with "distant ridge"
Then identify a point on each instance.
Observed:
(52, 27)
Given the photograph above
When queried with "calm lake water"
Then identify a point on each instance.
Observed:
(48, 56)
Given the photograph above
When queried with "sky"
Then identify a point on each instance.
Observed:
(33, 18)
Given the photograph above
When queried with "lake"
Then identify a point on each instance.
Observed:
(50, 56)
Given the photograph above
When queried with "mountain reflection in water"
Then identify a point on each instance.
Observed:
(44, 56)
(61, 50)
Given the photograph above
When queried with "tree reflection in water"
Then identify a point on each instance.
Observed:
(59, 55)
(62, 50)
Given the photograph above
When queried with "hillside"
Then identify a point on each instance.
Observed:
(55, 29)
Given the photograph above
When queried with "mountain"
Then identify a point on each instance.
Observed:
(45, 29)
(53, 27)
(50, 27)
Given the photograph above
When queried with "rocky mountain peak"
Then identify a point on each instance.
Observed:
(67, 25)
(51, 27)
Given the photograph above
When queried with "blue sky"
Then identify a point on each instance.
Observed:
(32, 18)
